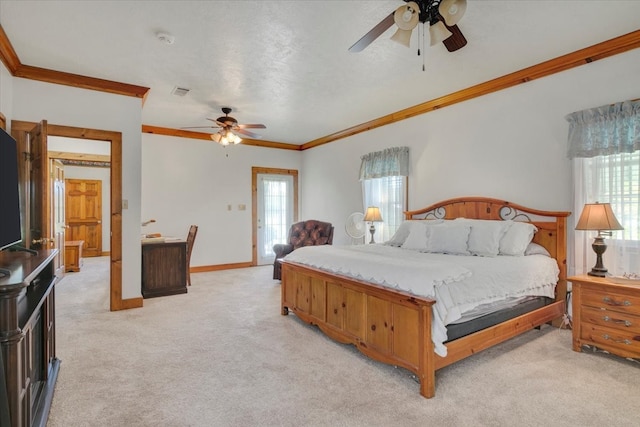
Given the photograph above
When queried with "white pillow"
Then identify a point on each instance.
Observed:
(484, 239)
(417, 239)
(403, 231)
(536, 249)
(517, 238)
(449, 238)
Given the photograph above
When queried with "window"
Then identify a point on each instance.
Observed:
(614, 179)
(388, 194)
(604, 143)
(384, 184)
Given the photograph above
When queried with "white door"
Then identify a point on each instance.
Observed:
(275, 213)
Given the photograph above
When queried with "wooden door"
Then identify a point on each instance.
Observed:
(57, 212)
(83, 202)
(40, 219)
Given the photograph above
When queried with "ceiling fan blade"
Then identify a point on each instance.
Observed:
(199, 127)
(252, 126)
(373, 34)
(456, 41)
(219, 123)
(246, 133)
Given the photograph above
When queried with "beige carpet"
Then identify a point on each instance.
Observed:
(222, 355)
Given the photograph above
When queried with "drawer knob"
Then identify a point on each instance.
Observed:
(609, 301)
(617, 321)
(625, 341)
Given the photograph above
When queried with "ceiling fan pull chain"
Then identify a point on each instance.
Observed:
(423, 45)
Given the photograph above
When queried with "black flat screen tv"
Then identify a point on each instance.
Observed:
(10, 231)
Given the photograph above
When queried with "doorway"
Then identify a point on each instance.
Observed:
(275, 208)
(19, 130)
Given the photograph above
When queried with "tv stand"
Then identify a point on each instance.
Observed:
(27, 335)
(18, 248)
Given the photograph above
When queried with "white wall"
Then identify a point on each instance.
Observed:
(508, 145)
(6, 94)
(69, 106)
(188, 181)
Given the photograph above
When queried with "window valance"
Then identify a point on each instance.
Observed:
(606, 130)
(389, 162)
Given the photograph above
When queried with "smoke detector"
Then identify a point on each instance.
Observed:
(165, 37)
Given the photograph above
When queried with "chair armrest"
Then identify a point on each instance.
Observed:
(282, 249)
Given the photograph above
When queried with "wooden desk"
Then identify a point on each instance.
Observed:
(164, 268)
(73, 255)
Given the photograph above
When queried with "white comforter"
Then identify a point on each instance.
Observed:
(457, 283)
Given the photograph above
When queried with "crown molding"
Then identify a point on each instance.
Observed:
(181, 133)
(10, 59)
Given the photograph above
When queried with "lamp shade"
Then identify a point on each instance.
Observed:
(598, 216)
(373, 214)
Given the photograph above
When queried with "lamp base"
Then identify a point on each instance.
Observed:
(372, 230)
(598, 273)
(599, 247)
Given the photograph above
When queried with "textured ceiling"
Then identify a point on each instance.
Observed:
(285, 63)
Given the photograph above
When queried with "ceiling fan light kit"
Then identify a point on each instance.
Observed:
(438, 32)
(442, 16)
(452, 11)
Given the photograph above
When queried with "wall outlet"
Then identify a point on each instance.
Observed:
(125, 204)
(242, 207)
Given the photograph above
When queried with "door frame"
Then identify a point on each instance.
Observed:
(20, 128)
(255, 171)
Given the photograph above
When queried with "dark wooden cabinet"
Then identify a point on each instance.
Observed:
(164, 268)
(27, 335)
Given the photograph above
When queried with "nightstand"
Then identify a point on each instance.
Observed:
(606, 315)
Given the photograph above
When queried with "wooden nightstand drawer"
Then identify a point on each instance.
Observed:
(625, 343)
(610, 319)
(606, 315)
(605, 299)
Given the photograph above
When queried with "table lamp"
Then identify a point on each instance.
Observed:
(600, 217)
(372, 215)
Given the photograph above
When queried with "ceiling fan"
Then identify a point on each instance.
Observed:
(442, 16)
(230, 128)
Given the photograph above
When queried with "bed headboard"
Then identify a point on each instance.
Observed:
(552, 226)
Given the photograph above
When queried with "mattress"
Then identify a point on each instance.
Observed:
(498, 314)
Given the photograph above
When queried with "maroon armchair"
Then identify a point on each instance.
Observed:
(304, 233)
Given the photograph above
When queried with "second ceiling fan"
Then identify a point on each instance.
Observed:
(229, 128)
(442, 16)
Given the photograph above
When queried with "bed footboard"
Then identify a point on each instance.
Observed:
(390, 326)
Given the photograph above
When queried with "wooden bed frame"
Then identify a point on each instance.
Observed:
(393, 326)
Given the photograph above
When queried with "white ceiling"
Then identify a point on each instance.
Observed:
(285, 63)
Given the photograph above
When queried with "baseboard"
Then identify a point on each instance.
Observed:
(126, 304)
(204, 268)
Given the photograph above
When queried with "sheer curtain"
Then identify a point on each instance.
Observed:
(384, 184)
(604, 144)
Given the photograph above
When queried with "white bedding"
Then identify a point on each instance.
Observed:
(458, 283)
